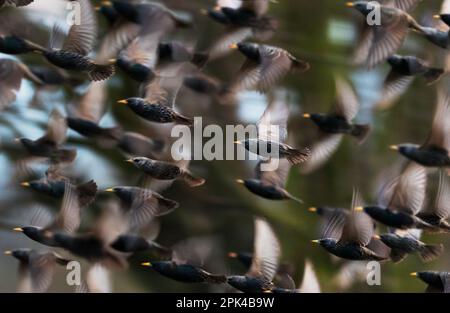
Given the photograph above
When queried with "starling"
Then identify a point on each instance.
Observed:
(69, 216)
(403, 71)
(242, 21)
(36, 269)
(85, 116)
(381, 41)
(437, 214)
(139, 59)
(11, 75)
(15, 3)
(53, 185)
(434, 153)
(347, 236)
(401, 199)
(202, 84)
(309, 284)
(438, 36)
(142, 205)
(70, 51)
(270, 184)
(438, 282)
(49, 145)
(150, 16)
(186, 263)
(333, 126)
(264, 265)
(264, 66)
(165, 171)
(156, 107)
(407, 242)
(95, 246)
(272, 133)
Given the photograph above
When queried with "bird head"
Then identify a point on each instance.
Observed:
(315, 117)
(364, 7)
(429, 277)
(405, 148)
(327, 242)
(139, 161)
(20, 254)
(250, 50)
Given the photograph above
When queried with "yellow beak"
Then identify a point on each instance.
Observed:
(306, 115)
(413, 274)
(19, 229)
(315, 241)
(376, 237)
(112, 61)
(233, 46)
(232, 254)
(313, 210)
(237, 142)
(437, 16)
(240, 181)
(123, 101)
(350, 4)
(393, 147)
(8, 252)
(25, 184)
(359, 209)
(148, 264)
(109, 190)
(129, 161)
(106, 3)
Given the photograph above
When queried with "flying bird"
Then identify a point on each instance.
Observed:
(437, 282)
(334, 125)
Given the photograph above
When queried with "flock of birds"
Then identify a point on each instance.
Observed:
(135, 46)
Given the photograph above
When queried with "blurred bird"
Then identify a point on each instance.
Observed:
(333, 126)
(165, 171)
(264, 66)
(53, 185)
(401, 199)
(11, 75)
(134, 144)
(438, 282)
(403, 71)
(243, 20)
(50, 144)
(272, 135)
(84, 116)
(69, 216)
(270, 184)
(70, 51)
(186, 263)
(140, 206)
(95, 246)
(265, 261)
(36, 269)
(404, 242)
(15, 3)
(383, 39)
(347, 236)
(438, 36)
(437, 214)
(435, 151)
(309, 284)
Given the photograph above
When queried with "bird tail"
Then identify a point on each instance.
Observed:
(191, 180)
(296, 156)
(86, 193)
(200, 59)
(431, 252)
(101, 72)
(433, 75)
(165, 206)
(180, 119)
(214, 279)
(360, 132)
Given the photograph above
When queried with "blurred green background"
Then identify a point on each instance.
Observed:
(323, 32)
